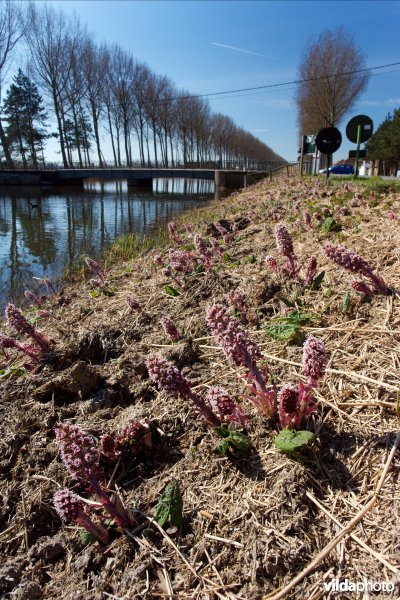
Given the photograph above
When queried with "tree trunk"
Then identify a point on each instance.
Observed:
(4, 143)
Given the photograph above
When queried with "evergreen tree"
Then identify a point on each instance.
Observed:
(26, 119)
(384, 145)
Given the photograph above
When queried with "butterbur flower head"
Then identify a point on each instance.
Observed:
(181, 261)
(288, 398)
(226, 235)
(7, 342)
(307, 218)
(68, 505)
(204, 252)
(173, 232)
(79, 452)
(48, 284)
(95, 267)
(167, 377)
(108, 447)
(232, 337)
(314, 358)
(284, 242)
(158, 260)
(134, 304)
(170, 329)
(217, 248)
(135, 435)
(17, 321)
(362, 288)
(224, 407)
(273, 264)
(311, 269)
(33, 298)
(346, 258)
(238, 301)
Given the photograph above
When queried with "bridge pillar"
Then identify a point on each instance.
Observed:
(145, 183)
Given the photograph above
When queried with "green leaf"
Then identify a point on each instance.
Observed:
(170, 505)
(316, 284)
(11, 372)
(109, 292)
(330, 225)
(87, 538)
(171, 291)
(250, 259)
(346, 302)
(94, 293)
(296, 318)
(232, 438)
(199, 269)
(283, 331)
(293, 441)
(287, 302)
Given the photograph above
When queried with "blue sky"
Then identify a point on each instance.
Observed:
(212, 46)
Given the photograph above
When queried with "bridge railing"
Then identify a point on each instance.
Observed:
(228, 166)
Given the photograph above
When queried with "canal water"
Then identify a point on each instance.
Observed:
(44, 231)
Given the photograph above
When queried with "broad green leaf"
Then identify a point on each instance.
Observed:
(330, 225)
(171, 291)
(283, 331)
(293, 441)
(87, 538)
(199, 269)
(170, 505)
(231, 438)
(11, 372)
(94, 293)
(316, 284)
(296, 318)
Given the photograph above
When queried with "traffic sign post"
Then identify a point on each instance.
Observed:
(359, 129)
(328, 141)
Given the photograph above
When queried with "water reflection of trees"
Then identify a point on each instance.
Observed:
(42, 231)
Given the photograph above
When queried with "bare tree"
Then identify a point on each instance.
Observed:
(331, 68)
(11, 30)
(50, 37)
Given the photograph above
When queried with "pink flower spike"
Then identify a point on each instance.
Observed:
(273, 265)
(158, 260)
(71, 510)
(284, 243)
(238, 301)
(33, 298)
(170, 329)
(311, 270)
(314, 359)
(224, 407)
(134, 305)
(348, 259)
(97, 270)
(171, 380)
(203, 250)
(79, 452)
(173, 233)
(362, 288)
(217, 248)
(17, 321)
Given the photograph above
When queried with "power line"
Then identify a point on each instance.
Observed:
(275, 85)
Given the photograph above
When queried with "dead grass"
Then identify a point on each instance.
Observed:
(255, 527)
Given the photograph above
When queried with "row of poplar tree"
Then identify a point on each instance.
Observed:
(96, 91)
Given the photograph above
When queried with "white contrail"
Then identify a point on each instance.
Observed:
(242, 50)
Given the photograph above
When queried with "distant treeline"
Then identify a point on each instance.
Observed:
(95, 91)
(384, 145)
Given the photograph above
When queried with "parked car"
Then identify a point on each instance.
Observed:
(340, 170)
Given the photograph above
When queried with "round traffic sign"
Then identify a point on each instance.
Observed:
(328, 140)
(367, 128)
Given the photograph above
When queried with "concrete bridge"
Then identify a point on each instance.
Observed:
(139, 177)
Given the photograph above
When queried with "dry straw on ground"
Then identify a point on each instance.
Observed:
(257, 526)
